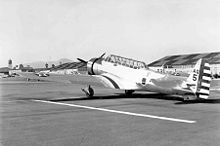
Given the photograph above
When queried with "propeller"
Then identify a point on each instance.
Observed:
(81, 60)
(102, 55)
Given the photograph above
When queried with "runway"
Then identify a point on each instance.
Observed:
(54, 114)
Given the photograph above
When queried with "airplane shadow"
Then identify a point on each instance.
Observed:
(206, 101)
(120, 96)
(141, 95)
(90, 98)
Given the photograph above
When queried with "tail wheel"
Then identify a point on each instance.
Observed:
(189, 98)
(129, 92)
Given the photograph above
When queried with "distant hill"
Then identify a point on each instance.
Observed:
(41, 64)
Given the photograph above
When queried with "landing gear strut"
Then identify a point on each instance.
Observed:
(128, 92)
(89, 92)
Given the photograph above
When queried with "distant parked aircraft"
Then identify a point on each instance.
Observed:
(43, 73)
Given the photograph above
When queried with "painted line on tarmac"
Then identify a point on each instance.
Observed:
(120, 112)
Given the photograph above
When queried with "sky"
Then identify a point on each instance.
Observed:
(146, 30)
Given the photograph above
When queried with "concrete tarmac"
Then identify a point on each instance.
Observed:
(25, 121)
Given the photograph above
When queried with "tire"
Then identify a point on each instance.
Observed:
(129, 92)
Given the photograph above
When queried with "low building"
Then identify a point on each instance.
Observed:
(5, 70)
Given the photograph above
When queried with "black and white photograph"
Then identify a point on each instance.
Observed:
(109, 72)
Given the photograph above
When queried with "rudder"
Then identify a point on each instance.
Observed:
(199, 79)
(205, 81)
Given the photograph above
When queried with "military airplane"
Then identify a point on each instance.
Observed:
(131, 75)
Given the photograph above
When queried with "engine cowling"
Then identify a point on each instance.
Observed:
(92, 66)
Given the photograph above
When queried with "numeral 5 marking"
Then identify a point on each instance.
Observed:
(195, 77)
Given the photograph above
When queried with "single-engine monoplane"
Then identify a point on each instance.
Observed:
(131, 75)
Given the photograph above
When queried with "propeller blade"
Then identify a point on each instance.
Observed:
(81, 60)
(102, 55)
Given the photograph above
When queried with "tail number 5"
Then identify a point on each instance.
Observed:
(195, 77)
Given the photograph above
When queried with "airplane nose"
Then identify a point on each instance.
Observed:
(91, 64)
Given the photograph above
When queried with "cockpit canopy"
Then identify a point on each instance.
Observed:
(126, 62)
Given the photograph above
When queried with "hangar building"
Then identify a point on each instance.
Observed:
(69, 68)
(185, 63)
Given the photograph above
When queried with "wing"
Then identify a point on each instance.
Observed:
(49, 78)
(107, 80)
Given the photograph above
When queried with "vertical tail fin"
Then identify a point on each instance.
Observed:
(200, 79)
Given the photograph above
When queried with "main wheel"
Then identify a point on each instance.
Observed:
(129, 92)
(91, 91)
